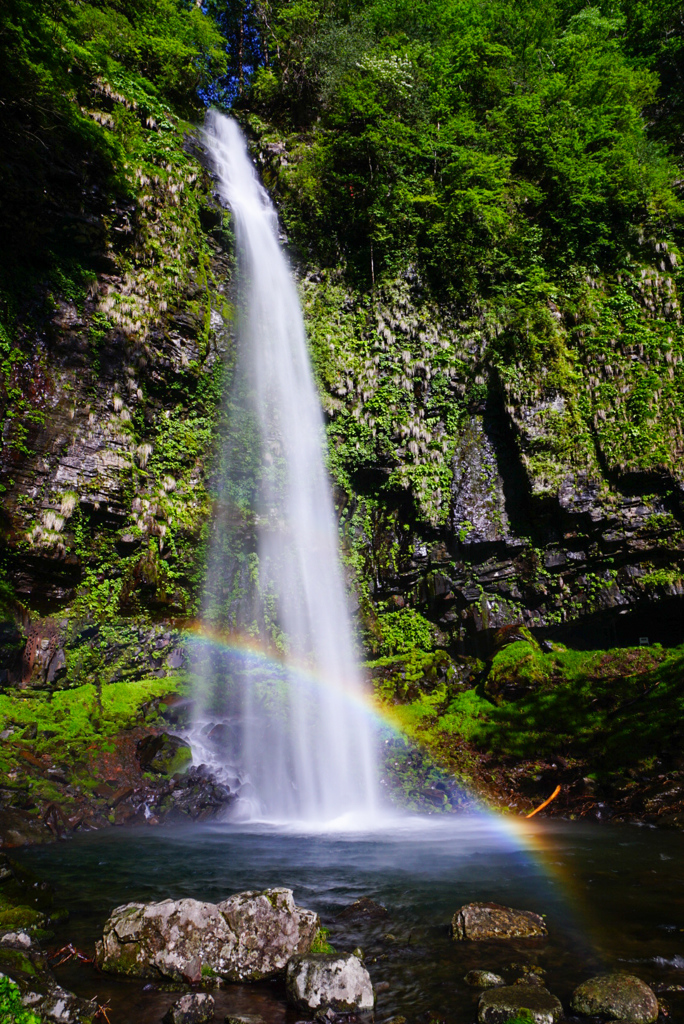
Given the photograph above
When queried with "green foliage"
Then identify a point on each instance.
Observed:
(12, 1010)
(619, 704)
(320, 943)
(660, 578)
(180, 441)
(403, 631)
(85, 712)
(517, 159)
(488, 143)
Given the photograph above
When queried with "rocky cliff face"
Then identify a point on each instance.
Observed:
(109, 408)
(484, 489)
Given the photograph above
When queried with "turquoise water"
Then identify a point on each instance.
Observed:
(613, 896)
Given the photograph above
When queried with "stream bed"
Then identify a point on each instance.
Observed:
(613, 897)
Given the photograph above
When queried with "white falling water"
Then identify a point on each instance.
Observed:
(301, 740)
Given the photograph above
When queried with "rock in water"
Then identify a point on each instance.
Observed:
(480, 921)
(339, 982)
(270, 929)
(500, 1005)
(617, 996)
(248, 937)
(484, 979)
(363, 908)
(172, 938)
(194, 1008)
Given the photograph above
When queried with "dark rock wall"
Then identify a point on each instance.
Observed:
(110, 396)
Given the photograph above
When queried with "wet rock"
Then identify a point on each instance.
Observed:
(163, 753)
(530, 979)
(19, 940)
(480, 921)
(484, 979)
(270, 929)
(172, 939)
(23, 961)
(244, 1018)
(246, 938)
(127, 543)
(363, 908)
(58, 1006)
(617, 996)
(193, 1008)
(500, 1005)
(339, 982)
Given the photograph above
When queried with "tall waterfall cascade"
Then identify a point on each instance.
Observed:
(297, 734)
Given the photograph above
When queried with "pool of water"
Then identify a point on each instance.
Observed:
(613, 897)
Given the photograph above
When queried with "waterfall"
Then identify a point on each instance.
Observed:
(296, 733)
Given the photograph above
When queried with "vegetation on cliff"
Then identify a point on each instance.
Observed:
(604, 725)
(484, 206)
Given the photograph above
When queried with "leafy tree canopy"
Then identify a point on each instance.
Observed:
(484, 141)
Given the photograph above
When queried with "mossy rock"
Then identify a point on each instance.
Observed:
(515, 1002)
(617, 996)
(164, 754)
(517, 670)
(20, 918)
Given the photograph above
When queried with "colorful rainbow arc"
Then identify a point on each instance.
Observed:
(257, 652)
(526, 834)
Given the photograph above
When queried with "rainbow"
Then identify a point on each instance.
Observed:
(253, 651)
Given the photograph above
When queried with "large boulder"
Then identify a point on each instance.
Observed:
(174, 939)
(339, 982)
(501, 1005)
(617, 996)
(246, 938)
(270, 929)
(480, 921)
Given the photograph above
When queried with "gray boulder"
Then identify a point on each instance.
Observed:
(617, 996)
(270, 929)
(193, 1008)
(480, 921)
(339, 982)
(246, 938)
(500, 1005)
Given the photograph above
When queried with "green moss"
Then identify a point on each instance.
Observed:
(619, 709)
(521, 662)
(86, 712)
(15, 961)
(320, 942)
